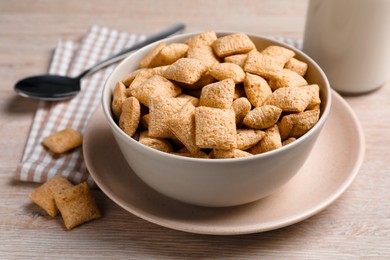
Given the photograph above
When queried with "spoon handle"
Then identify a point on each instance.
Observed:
(122, 54)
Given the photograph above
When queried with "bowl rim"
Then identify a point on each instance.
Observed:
(107, 90)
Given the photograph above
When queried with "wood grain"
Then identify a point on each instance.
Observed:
(356, 226)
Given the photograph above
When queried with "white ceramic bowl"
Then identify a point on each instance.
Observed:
(218, 182)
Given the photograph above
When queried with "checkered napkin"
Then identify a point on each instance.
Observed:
(71, 58)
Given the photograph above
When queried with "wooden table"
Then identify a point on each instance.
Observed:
(356, 225)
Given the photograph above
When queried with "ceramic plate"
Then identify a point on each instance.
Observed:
(330, 169)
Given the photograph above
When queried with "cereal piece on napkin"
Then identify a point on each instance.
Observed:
(215, 128)
(76, 205)
(130, 117)
(63, 141)
(233, 44)
(43, 196)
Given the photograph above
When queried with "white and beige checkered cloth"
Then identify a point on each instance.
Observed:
(71, 58)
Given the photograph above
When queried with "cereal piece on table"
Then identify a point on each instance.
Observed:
(247, 138)
(287, 78)
(160, 144)
(119, 95)
(169, 54)
(218, 95)
(63, 141)
(203, 39)
(153, 87)
(215, 128)
(288, 141)
(292, 99)
(241, 107)
(229, 154)
(222, 71)
(185, 70)
(43, 196)
(296, 125)
(269, 142)
(193, 100)
(162, 109)
(263, 65)
(233, 44)
(238, 59)
(279, 52)
(257, 89)
(145, 62)
(296, 65)
(262, 117)
(130, 116)
(76, 205)
(203, 53)
(182, 125)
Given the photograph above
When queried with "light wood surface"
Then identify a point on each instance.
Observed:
(357, 225)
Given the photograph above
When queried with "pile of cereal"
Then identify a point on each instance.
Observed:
(216, 97)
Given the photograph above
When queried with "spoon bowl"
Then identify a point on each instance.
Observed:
(48, 87)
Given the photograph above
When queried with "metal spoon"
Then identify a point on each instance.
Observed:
(54, 87)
